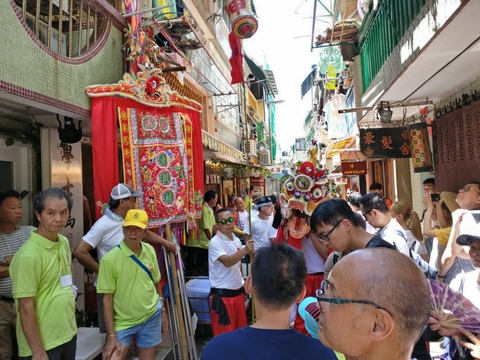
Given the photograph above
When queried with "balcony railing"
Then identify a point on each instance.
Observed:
(381, 31)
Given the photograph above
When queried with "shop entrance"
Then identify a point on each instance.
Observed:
(16, 173)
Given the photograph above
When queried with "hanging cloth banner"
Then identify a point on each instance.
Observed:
(420, 147)
(149, 94)
(385, 143)
(236, 60)
(337, 123)
(154, 158)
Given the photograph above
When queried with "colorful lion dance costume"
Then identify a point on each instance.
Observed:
(306, 186)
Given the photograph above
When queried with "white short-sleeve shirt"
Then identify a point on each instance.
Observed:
(262, 232)
(222, 277)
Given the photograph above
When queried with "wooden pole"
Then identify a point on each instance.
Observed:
(247, 138)
(178, 301)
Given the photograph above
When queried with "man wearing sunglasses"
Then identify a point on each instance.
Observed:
(227, 295)
(337, 226)
(277, 282)
(374, 305)
(468, 198)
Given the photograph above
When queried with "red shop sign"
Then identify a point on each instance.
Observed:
(354, 168)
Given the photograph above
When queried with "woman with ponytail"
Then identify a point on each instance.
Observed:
(410, 222)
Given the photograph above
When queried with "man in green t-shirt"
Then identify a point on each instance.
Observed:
(129, 279)
(42, 285)
(198, 248)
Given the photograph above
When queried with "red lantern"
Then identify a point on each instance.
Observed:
(244, 24)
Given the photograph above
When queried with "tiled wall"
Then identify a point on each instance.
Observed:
(33, 72)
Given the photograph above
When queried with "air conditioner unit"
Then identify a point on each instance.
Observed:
(250, 147)
(265, 157)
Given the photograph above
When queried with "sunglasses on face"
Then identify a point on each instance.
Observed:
(225, 221)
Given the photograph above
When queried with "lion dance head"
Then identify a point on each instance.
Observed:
(305, 187)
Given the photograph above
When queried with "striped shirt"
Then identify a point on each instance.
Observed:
(9, 244)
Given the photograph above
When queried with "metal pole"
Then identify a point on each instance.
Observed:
(183, 336)
(146, 10)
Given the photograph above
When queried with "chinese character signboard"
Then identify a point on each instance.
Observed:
(386, 143)
(354, 168)
(420, 147)
(63, 168)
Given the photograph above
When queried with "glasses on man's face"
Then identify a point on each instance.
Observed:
(326, 236)
(467, 188)
(225, 221)
(367, 213)
(338, 301)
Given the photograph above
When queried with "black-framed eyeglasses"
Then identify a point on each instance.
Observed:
(339, 301)
(367, 213)
(467, 188)
(225, 221)
(326, 236)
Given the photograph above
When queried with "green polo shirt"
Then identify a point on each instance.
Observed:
(207, 221)
(35, 271)
(134, 294)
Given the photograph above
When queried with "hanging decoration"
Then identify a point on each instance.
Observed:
(154, 158)
(161, 133)
(149, 88)
(244, 23)
(420, 147)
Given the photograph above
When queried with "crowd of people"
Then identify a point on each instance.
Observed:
(37, 303)
(359, 262)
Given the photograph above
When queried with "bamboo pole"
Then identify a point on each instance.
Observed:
(247, 138)
(183, 336)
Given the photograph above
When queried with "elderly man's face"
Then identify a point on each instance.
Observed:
(133, 234)
(11, 211)
(340, 326)
(240, 204)
(468, 197)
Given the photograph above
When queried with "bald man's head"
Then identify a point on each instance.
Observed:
(394, 282)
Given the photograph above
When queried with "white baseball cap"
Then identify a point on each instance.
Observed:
(124, 191)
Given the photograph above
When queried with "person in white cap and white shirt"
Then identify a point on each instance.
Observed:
(262, 230)
(107, 232)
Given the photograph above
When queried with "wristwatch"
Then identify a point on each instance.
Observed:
(3, 260)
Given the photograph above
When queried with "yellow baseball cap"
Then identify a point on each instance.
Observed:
(137, 218)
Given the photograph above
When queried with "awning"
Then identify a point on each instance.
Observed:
(263, 75)
(347, 148)
(223, 157)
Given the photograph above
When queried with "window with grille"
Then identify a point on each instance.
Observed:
(66, 27)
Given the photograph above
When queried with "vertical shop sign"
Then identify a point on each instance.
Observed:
(62, 167)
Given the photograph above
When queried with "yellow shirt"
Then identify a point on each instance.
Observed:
(35, 271)
(442, 235)
(134, 293)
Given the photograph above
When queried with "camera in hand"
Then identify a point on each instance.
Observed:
(435, 197)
